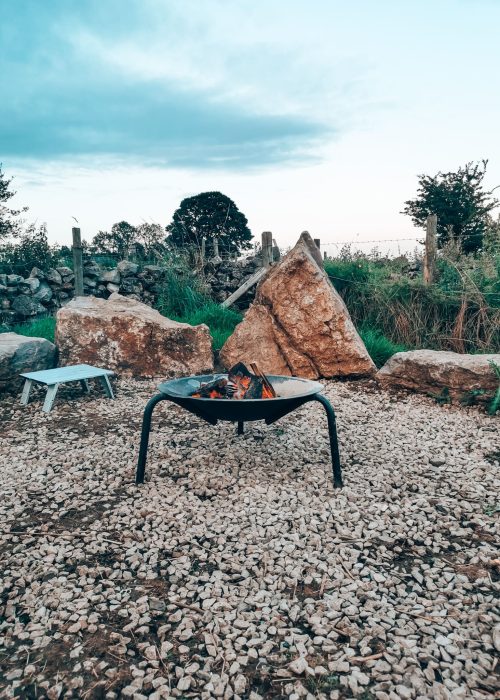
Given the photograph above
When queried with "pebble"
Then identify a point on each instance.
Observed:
(237, 562)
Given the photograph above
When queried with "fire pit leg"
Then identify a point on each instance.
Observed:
(241, 428)
(334, 444)
(146, 427)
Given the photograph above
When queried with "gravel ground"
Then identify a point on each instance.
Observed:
(237, 571)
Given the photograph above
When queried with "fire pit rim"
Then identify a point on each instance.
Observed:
(313, 387)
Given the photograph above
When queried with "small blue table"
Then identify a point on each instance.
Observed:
(61, 375)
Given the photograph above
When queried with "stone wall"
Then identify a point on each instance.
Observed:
(44, 291)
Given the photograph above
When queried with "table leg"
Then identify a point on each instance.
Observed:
(85, 385)
(106, 385)
(50, 397)
(25, 396)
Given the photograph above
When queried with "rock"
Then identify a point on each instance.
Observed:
(89, 282)
(111, 276)
(29, 285)
(298, 323)
(154, 271)
(433, 371)
(113, 288)
(37, 273)
(3, 280)
(496, 637)
(65, 271)
(26, 306)
(130, 337)
(127, 269)
(19, 353)
(14, 280)
(91, 269)
(53, 276)
(43, 293)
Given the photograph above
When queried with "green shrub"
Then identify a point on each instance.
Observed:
(44, 327)
(220, 320)
(379, 347)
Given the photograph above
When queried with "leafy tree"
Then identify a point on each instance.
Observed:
(116, 242)
(31, 249)
(209, 215)
(148, 240)
(460, 202)
(10, 225)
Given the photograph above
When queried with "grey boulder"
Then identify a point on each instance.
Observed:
(26, 306)
(44, 293)
(19, 353)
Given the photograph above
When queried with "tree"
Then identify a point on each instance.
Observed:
(148, 240)
(209, 215)
(10, 225)
(117, 242)
(460, 202)
(32, 250)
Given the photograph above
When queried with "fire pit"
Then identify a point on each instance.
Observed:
(206, 397)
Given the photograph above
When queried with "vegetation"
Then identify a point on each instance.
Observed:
(184, 298)
(460, 312)
(147, 240)
(10, 224)
(461, 204)
(44, 327)
(209, 216)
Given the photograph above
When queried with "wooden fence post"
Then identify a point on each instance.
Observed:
(318, 243)
(267, 248)
(202, 252)
(430, 249)
(216, 255)
(78, 261)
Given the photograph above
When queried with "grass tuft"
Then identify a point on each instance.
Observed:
(44, 327)
(380, 348)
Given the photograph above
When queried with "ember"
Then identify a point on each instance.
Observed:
(240, 384)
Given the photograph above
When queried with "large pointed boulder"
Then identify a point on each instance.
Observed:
(131, 338)
(298, 324)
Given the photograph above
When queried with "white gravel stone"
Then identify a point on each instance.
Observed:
(236, 564)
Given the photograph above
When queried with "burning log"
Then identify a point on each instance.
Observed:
(240, 384)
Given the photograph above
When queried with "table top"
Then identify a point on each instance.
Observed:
(72, 373)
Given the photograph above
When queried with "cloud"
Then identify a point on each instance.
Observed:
(72, 88)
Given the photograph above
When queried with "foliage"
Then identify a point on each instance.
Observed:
(31, 250)
(460, 202)
(495, 403)
(147, 240)
(220, 320)
(209, 215)
(183, 298)
(379, 347)
(461, 312)
(10, 224)
(44, 327)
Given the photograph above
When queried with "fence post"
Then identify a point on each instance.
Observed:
(77, 261)
(430, 249)
(318, 243)
(202, 252)
(267, 248)
(216, 257)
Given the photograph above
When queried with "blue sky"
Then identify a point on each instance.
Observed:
(311, 115)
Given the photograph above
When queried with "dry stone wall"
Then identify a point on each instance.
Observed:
(44, 291)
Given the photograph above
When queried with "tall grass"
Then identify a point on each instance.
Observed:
(44, 327)
(461, 312)
(183, 297)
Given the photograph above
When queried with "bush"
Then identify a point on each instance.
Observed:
(183, 297)
(379, 347)
(39, 328)
(461, 312)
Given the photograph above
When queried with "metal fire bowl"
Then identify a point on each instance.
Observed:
(291, 392)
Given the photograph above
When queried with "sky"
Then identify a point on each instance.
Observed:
(311, 115)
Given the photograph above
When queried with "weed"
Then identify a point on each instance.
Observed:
(379, 347)
(495, 403)
(44, 327)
